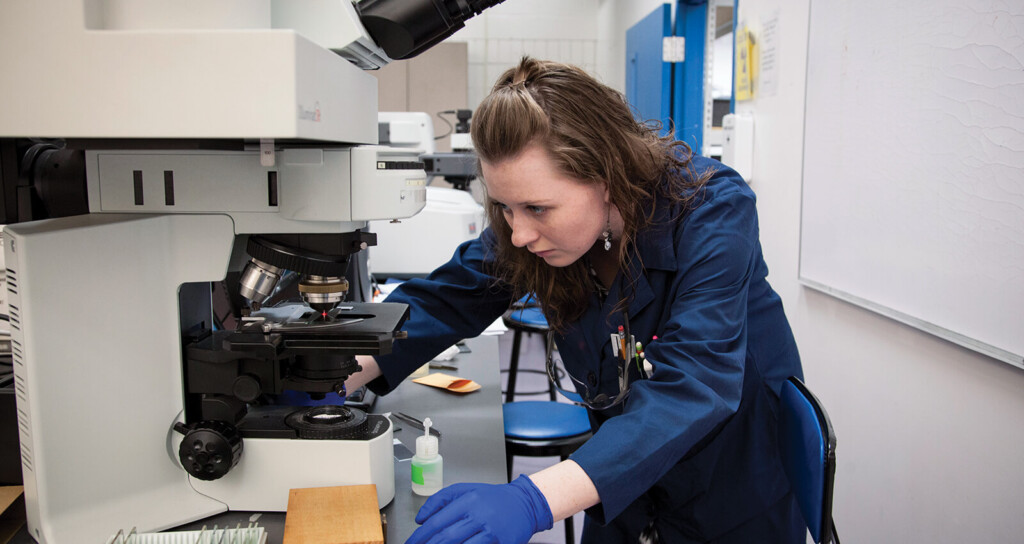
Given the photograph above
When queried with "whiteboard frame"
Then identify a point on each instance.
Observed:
(944, 333)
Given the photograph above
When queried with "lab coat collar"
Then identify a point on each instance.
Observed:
(655, 242)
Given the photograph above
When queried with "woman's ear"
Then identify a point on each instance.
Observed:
(607, 194)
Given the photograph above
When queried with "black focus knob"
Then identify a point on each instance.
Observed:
(246, 388)
(210, 448)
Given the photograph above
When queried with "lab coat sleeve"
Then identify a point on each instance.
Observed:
(458, 300)
(698, 359)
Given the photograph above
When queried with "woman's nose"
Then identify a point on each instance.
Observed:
(523, 233)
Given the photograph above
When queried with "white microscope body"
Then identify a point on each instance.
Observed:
(204, 124)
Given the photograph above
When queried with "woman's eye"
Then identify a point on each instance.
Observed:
(537, 210)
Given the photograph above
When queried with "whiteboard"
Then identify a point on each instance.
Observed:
(913, 169)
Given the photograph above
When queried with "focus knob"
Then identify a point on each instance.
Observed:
(210, 448)
(246, 388)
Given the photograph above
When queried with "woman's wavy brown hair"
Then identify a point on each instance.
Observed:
(589, 131)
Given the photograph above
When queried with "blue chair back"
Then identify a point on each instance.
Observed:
(807, 444)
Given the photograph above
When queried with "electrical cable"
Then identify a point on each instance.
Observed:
(451, 127)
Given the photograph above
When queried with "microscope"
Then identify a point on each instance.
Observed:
(211, 139)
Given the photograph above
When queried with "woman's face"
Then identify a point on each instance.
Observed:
(556, 217)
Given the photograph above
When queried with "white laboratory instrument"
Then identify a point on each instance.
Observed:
(410, 130)
(415, 246)
(209, 130)
(738, 143)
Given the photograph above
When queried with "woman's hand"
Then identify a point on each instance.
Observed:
(478, 513)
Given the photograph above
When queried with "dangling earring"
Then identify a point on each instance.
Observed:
(607, 235)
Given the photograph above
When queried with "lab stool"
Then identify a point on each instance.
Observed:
(539, 428)
(525, 316)
(544, 428)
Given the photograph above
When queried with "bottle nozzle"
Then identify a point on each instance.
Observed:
(426, 445)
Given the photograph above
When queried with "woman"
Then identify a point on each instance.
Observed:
(611, 225)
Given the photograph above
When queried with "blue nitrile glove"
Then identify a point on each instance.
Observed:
(478, 513)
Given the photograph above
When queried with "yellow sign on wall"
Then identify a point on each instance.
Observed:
(745, 64)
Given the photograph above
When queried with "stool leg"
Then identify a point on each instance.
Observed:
(513, 366)
(508, 464)
(551, 389)
(549, 343)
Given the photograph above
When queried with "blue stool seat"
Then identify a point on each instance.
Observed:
(544, 420)
(530, 316)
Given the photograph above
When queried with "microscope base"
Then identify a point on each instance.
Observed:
(269, 467)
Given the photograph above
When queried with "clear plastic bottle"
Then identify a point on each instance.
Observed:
(427, 477)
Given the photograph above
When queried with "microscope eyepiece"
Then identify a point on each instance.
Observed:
(406, 28)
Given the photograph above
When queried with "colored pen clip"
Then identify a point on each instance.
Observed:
(415, 423)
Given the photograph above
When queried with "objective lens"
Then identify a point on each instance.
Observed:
(258, 280)
(323, 293)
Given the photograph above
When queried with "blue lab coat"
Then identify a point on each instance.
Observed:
(693, 447)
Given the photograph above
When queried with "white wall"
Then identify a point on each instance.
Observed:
(930, 435)
(590, 34)
(561, 30)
